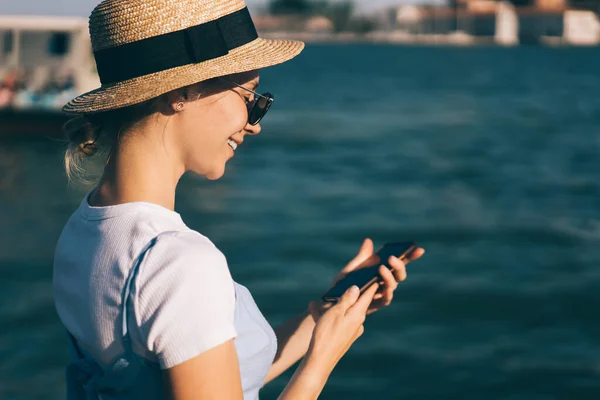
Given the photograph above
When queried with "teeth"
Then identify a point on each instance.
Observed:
(232, 144)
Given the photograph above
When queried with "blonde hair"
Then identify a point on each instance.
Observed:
(96, 134)
(91, 135)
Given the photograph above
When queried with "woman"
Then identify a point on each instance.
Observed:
(149, 304)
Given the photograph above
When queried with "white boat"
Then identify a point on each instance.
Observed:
(44, 62)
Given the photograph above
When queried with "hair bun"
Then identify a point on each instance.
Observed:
(88, 148)
(82, 136)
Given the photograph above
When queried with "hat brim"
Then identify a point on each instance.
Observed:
(259, 53)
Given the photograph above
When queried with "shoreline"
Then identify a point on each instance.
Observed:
(455, 39)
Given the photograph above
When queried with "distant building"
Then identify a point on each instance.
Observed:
(318, 24)
(540, 21)
(293, 23)
(550, 5)
(41, 46)
(528, 22)
(409, 18)
(278, 23)
(581, 27)
(482, 6)
(537, 25)
(507, 25)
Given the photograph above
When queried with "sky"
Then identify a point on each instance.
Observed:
(84, 7)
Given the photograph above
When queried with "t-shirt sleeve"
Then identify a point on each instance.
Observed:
(185, 298)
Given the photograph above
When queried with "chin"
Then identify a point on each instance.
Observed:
(215, 175)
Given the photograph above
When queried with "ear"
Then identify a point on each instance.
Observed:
(167, 103)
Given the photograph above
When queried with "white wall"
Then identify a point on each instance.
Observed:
(507, 25)
(582, 28)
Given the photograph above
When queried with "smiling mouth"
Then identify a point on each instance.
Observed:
(232, 144)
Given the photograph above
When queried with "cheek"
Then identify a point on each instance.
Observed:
(234, 114)
(225, 118)
(194, 128)
(206, 130)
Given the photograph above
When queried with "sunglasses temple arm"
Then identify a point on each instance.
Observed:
(246, 89)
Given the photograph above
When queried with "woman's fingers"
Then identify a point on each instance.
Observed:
(348, 299)
(388, 278)
(416, 254)
(364, 301)
(398, 268)
(389, 286)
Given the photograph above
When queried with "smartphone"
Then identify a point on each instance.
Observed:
(367, 273)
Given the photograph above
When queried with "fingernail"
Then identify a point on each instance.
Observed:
(354, 290)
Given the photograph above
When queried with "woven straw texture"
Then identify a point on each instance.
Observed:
(117, 22)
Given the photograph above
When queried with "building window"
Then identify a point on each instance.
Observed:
(7, 47)
(59, 44)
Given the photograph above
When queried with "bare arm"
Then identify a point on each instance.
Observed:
(293, 338)
(215, 374)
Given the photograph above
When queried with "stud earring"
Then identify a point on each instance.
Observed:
(179, 106)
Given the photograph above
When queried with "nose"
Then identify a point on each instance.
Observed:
(253, 129)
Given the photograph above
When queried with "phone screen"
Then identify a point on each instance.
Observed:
(368, 272)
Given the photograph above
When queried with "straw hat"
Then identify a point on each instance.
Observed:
(145, 48)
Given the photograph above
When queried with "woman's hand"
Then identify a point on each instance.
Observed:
(338, 328)
(389, 279)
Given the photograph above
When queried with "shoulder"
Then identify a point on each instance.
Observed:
(187, 245)
(184, 297)
(175, 258)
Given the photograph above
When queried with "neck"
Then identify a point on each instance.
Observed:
(140, 169)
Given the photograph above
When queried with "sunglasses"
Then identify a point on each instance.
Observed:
(257, 108)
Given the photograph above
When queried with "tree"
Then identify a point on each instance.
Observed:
(340, 14)
(286, 7)
(362, 25)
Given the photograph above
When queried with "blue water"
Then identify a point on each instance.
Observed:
(489, 158)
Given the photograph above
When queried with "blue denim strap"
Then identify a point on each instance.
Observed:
(77, 353)
(75, 350)
(127, 293)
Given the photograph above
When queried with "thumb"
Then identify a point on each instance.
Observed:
(365, 251)
(366, 248)
(348, 298)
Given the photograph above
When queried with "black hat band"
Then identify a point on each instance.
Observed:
(189, 46)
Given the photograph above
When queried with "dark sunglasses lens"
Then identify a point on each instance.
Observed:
(258, 111)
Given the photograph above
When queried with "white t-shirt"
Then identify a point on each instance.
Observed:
(184, 300)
